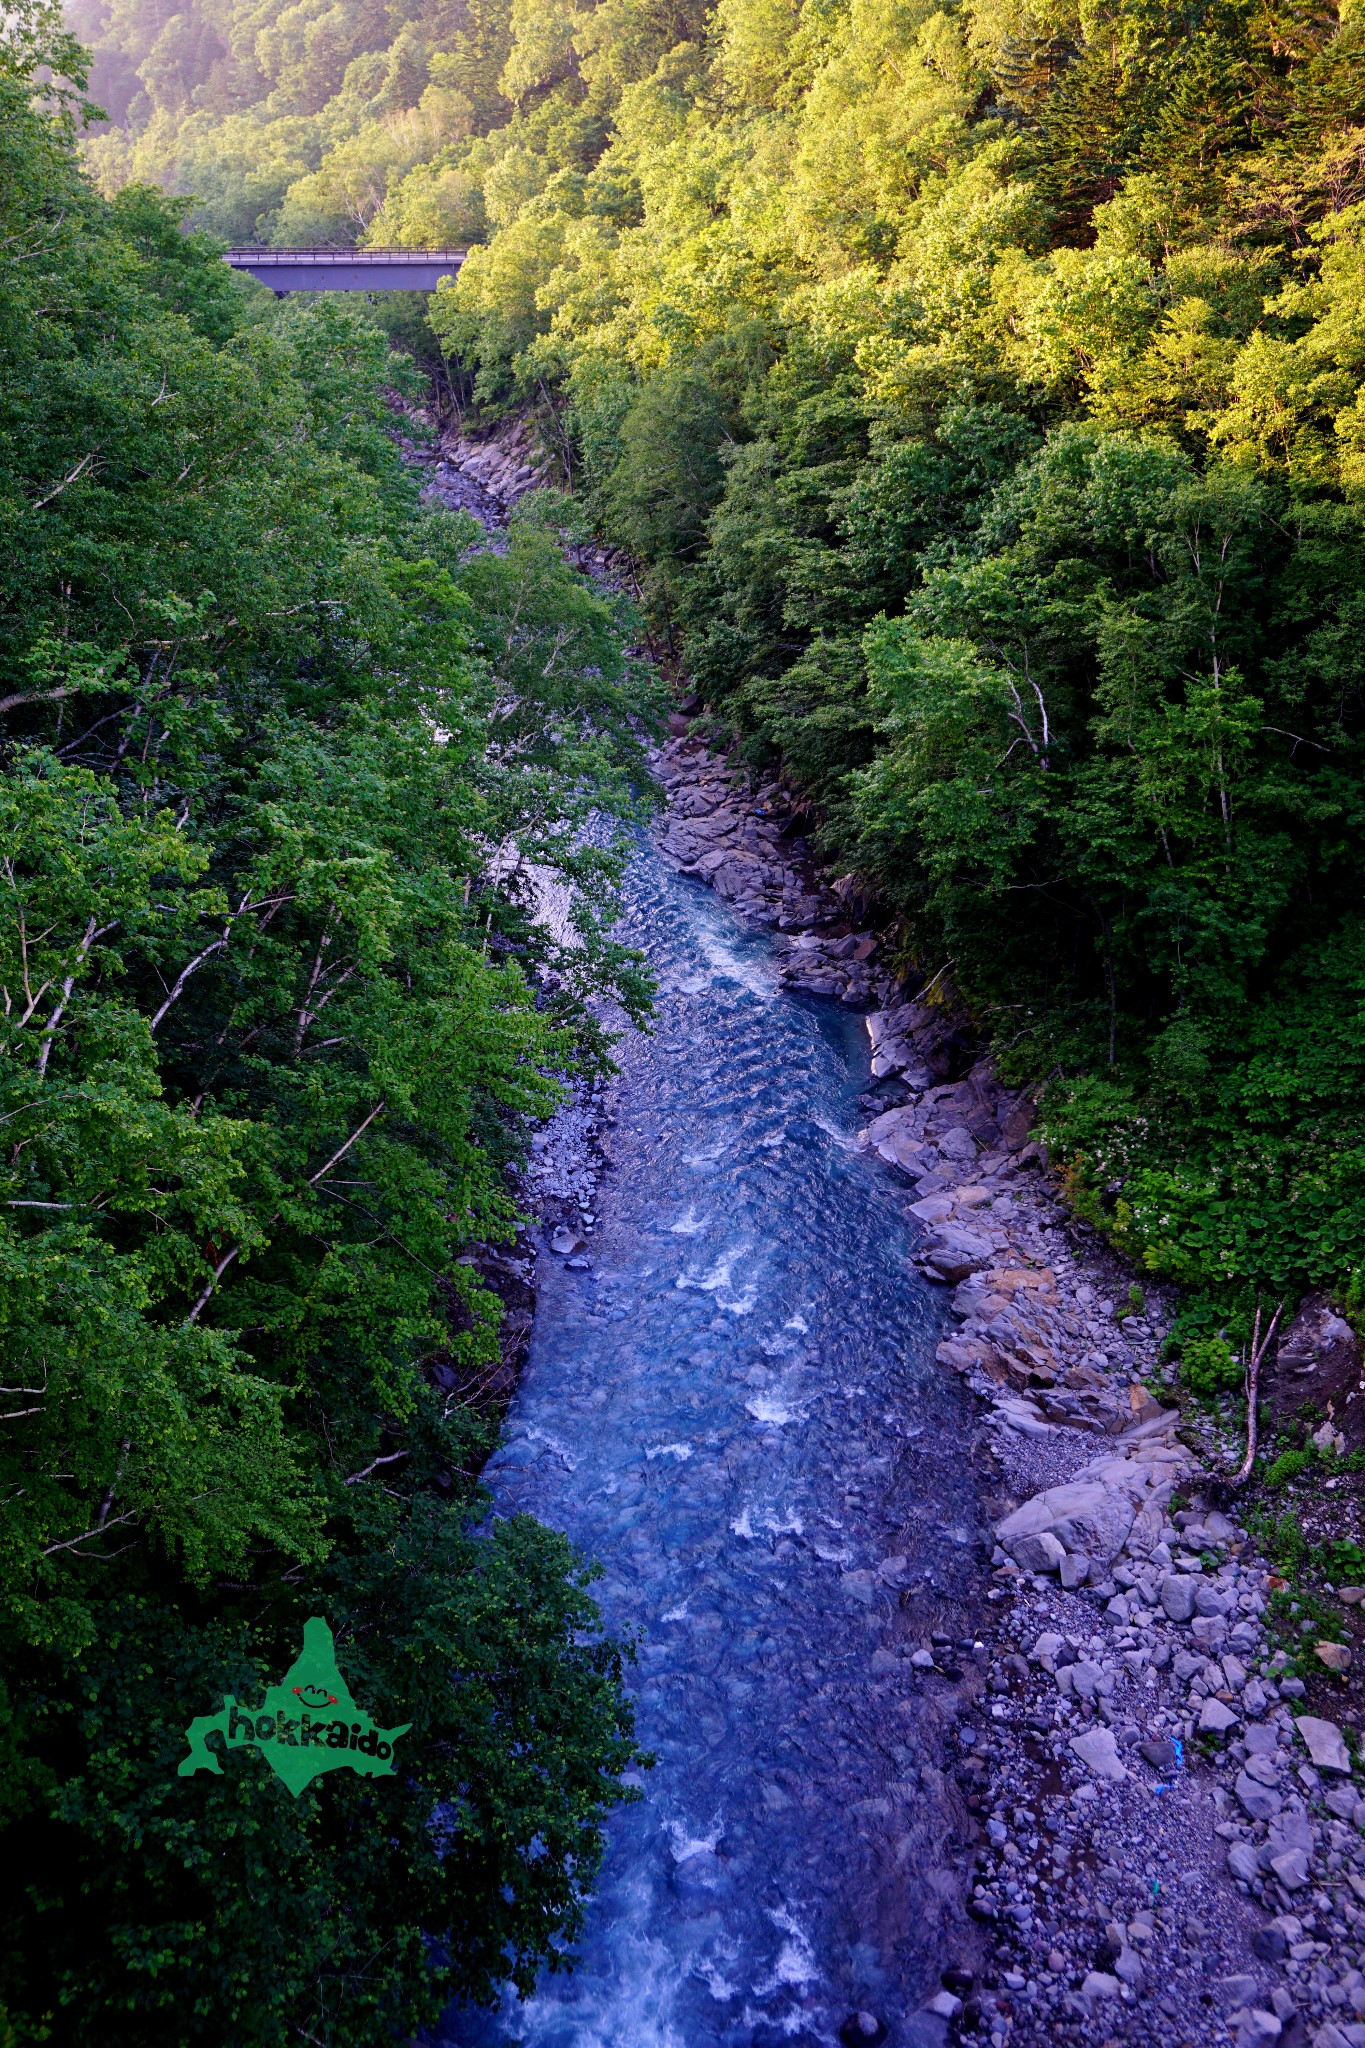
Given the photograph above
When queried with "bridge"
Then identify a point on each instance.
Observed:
(348, 270)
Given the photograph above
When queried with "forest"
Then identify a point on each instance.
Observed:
(977, 391)
(277, 1025)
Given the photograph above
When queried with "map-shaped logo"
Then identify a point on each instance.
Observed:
(307, 1724)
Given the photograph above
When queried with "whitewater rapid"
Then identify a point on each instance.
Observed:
(737, 1413)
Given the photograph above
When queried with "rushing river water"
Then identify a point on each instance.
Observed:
(738, 1413)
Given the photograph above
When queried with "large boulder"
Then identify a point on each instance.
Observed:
(953, 1253)
(917, 1034)
(892, 1134)
(1094, 1513)
(1087, 1515)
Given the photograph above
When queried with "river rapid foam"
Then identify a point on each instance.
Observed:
(737, 1412)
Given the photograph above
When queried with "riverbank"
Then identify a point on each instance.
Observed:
(1167, 1842)
(1162, 1831)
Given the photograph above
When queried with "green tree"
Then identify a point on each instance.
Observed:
(287, 771)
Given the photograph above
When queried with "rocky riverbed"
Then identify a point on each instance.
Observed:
(1166, 1842)
(1169, 1843)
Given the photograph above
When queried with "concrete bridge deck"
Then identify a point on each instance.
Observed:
(348, 270)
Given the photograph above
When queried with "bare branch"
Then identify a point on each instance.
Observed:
(217, 1275)
(340, 1154)
(374, 1465)
(17, 1414)
(187, 971)
(202, 1303)
(1259, 1347)
(108, 1501)
(36, 696)
(1297, 737)
(89, 1535)
(57, 489)
(244, 908)
(92, 932)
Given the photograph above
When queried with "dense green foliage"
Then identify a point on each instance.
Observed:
(978, 387)
(284, 766)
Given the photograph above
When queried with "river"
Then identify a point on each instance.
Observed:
(737, 1412)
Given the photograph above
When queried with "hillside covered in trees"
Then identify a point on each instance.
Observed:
(978, 389)
(276, 1024)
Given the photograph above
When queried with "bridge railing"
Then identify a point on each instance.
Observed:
(323, 251)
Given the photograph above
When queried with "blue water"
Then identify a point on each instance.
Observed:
(738, 1413)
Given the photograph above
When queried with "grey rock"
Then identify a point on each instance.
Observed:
(1073, 1571)
(1129, 1969)
(1231, 1991)
(1291, 1831)
(1207, 1600)
(1092, 1513)
(1099, 1984)
(1257, 2028)
(1098, 1751)
(1160, 1754)
(1090, 1680)
(952, 1255)
(1324, 1741)
(1257, 1802)
(1291, 1868)
(1039, 1553)
(1209, 1631)
(1177, 1596)
(1243, 1862)
(862, 2030)
(1215, 1718)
